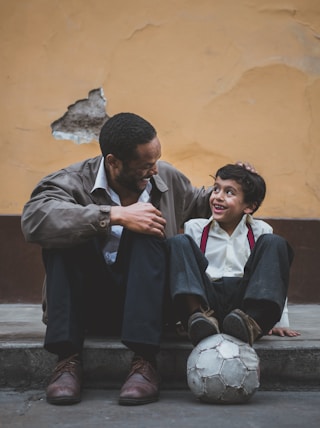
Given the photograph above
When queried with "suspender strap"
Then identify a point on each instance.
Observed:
(204, 238)
(250, 237)
(205, 233)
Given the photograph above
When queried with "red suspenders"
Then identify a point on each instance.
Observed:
(205, 233)
(204, 238)
(250, 236)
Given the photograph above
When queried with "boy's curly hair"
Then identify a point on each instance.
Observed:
(253, 185)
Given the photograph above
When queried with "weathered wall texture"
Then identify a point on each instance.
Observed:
(220, 80)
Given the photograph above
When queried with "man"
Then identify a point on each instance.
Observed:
(103, 224)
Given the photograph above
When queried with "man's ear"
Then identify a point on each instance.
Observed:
(111, 161)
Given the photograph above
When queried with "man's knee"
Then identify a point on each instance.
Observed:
(147, 244)
(178, 241)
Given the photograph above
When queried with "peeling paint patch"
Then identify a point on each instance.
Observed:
(83, 120)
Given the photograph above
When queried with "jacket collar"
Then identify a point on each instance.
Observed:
(158, 188)
(159, 183)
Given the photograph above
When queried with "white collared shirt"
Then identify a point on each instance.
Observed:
(111, 247)
(227, 255)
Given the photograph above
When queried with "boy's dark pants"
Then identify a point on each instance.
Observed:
(261, 293)
(84, 294)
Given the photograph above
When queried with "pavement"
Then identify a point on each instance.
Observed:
(99, 408)
(289, 395)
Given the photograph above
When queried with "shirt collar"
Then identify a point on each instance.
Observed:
(247, 218)
(101, 181)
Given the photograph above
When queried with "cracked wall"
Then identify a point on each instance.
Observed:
(221, 81)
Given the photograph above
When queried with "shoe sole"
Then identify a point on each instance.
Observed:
(137, 401)
(234, 325)
(64, 401)
(200, 329)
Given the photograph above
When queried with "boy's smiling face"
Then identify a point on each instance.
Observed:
(227, 204)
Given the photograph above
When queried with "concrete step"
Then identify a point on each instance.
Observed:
(285, 363)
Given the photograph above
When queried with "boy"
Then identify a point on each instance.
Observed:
(240, 286)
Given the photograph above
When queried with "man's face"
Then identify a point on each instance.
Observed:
(134, 175)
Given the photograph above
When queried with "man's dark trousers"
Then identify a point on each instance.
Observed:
(86, 294)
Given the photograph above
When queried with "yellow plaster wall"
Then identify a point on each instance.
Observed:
(221, 80)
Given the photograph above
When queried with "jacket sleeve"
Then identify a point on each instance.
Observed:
(60, 214)
(191, 201)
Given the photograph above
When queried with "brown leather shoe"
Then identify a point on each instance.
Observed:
(65, 384)
(238, 324)
(142, 384)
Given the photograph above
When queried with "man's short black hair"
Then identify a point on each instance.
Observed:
(122, 133)
(253, 185)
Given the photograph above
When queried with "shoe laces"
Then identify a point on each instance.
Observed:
(207, 312)
(67, 365)
(142, 366)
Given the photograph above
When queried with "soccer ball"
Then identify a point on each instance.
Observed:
(223, 369)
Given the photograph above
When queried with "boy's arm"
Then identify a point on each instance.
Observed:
(282, 328)
(284, 331)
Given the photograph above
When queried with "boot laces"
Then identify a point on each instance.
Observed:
(142, 366)
(67, 365)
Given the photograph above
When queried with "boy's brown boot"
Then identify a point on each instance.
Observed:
(242, 326)
(201, 325)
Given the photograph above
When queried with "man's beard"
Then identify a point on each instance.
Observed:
(128, 182)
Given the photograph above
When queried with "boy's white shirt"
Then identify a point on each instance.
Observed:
(227, 255)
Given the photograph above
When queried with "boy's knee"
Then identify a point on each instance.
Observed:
(272, 239)
(277, 242)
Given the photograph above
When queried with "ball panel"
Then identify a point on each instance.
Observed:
(195, 383)
(233, 372)
(213, 383)
(209, 362)
(228, 349)
(192, 360)
(252, 381)
(235, 396)
(211, 341)
(249, 357)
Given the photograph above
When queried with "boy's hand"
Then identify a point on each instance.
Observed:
(283, 331)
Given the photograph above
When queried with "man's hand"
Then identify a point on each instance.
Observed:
(247, 166)
(140, 217)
